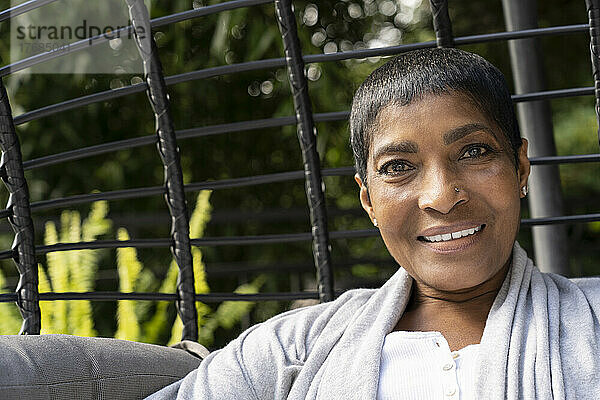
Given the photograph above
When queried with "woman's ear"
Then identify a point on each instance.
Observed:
(524, 167)
(363, 195)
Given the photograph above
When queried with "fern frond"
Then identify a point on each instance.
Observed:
(176, 330)
(154, 328)
(10, 320)
(128, 267)
(82, 266)
(146, 282)
(201, 214)
(85, 267)
(46, 307)
(58, 272)
(198, 221)
(96, 224)
(230, 313)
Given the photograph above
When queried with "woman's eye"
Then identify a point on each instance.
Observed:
(475, 152)
(394, 167)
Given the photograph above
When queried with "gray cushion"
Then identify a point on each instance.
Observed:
(71, 367)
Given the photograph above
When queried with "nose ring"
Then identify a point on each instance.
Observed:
(456, 189)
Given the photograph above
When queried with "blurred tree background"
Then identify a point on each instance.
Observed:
(251, 34)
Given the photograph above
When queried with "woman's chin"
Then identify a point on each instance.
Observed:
(474, 276)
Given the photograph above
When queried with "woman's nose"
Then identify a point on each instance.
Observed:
(441, 191)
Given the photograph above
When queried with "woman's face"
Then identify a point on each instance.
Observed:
(446, 239)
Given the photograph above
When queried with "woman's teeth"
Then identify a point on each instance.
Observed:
(454, 235)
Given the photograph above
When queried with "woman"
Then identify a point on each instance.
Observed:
(441, 170)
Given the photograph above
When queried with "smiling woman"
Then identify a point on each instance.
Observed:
(446, 197)
(441, 169)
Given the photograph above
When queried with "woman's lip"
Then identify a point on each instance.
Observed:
(454, 245)
(446, 229)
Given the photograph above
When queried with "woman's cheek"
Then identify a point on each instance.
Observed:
(393, 210)
(498, 184)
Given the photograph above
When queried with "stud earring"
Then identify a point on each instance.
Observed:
(524, 190)
(374, 221)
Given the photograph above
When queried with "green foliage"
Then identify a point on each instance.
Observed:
(46, 307)
(365, 270)
(575, 134)
(129, 269)
(130, 324)
(155, 326)
(230, 312)
(74, 270)
(68, 271)
(10, 320)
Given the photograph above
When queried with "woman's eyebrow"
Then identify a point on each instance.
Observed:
(462, 131)
(404, 146)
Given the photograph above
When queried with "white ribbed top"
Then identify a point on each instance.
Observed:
(420, 366)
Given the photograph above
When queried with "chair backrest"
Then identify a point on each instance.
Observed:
(19, 208)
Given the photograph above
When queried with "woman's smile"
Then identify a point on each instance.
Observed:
(444, 187)
(446, 233)
(452, 240)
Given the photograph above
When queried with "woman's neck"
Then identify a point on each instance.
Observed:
(459, 315)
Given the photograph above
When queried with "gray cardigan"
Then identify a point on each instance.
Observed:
(541, 341)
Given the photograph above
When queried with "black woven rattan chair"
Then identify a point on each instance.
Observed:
(19, 208)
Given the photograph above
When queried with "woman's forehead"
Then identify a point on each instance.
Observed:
(437, 115)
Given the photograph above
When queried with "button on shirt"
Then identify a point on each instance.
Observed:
(420, 366)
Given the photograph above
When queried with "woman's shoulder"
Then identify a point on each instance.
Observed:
(264, 361)
(298, 331)
(288, 339)
(585, 290)
(315, 318)
(589, 282)
(589, 285)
